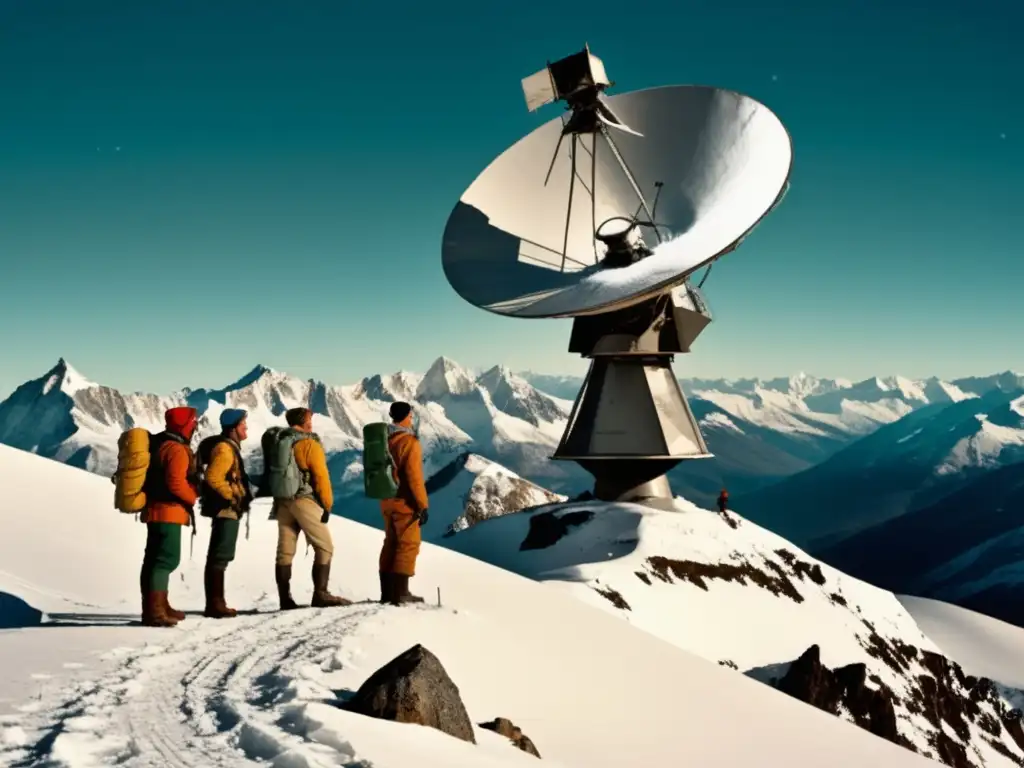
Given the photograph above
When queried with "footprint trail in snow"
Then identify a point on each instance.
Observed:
(215, 694)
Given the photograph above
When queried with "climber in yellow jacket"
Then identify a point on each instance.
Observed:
(404, 514)
(308, 511)
(225, 496)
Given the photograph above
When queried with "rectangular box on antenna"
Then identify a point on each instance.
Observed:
(561, 79)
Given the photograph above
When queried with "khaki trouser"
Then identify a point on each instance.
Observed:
(294, 515)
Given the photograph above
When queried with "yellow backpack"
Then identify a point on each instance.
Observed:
(132, 466)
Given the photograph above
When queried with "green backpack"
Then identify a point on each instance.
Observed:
(282, 477)
(378, 465)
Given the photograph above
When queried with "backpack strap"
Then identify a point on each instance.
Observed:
(298, 437)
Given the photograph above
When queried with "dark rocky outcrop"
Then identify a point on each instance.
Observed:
(414, 688)
(936, 689)
(811, 681)
(801, 568)
(510, 731)
(613, 597)
(779, 578)
(742, 572)
(547, 528)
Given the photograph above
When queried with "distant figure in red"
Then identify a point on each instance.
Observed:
(723, 507)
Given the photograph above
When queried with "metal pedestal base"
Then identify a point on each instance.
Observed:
(641, 481)
(629, 426)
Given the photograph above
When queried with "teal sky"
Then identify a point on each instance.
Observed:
(189, 188)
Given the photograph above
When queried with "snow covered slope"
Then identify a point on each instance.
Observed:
(912, 463)
(984, 646)
(749, 599)
(260, 688)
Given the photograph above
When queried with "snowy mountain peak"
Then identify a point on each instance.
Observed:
(257, 373)
(476, 489)
(500, 375)
(517, 397)
(800, 386)
(445, 378)
(65, 378)
(389, 388)
(803, 384)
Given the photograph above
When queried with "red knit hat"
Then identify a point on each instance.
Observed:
(180, 419)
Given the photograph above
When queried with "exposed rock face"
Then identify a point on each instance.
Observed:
(510, 731)
(811, 681)
(963, 712)
(414, 688)
(770, 576)
(546, 528)
(487, 490)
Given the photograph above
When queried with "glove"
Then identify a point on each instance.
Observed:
(326, 516)
(422, 517)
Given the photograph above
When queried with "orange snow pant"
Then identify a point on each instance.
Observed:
(401, 539)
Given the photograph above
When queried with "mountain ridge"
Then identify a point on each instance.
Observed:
(759, 438)
(902, 466)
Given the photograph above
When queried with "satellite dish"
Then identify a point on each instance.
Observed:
(710, 164)
(603, 215)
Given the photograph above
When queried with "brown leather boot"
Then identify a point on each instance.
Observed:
(321, 597)
(283, 577)
(400, 590)
(154, 614)
(216, 607)
(174, 613)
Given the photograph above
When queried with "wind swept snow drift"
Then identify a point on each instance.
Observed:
(260, 687)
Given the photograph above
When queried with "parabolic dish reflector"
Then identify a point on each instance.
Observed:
(721, 159)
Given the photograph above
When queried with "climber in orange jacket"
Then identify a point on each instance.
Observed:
(171, 494)
(404, 514)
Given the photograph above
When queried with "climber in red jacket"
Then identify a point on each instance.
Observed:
(723, 506)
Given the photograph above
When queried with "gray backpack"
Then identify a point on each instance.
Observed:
(282, 478)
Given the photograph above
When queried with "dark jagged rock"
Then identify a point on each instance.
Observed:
(510, 731)
(547, 528)
(808, 680)
(936, 689)
(414, 688)
(801, 568)
(741, 572)
(613, 597)
(895, 654)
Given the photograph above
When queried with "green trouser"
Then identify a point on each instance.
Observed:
(223, 538)
(163, 555)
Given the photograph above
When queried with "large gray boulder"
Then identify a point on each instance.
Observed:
(414, 688)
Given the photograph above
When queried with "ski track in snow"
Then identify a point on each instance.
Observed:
(219, 694)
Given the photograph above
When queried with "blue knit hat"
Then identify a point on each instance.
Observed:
(230, 417)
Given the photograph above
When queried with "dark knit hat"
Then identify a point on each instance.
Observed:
(232, 417)
(399, 411)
